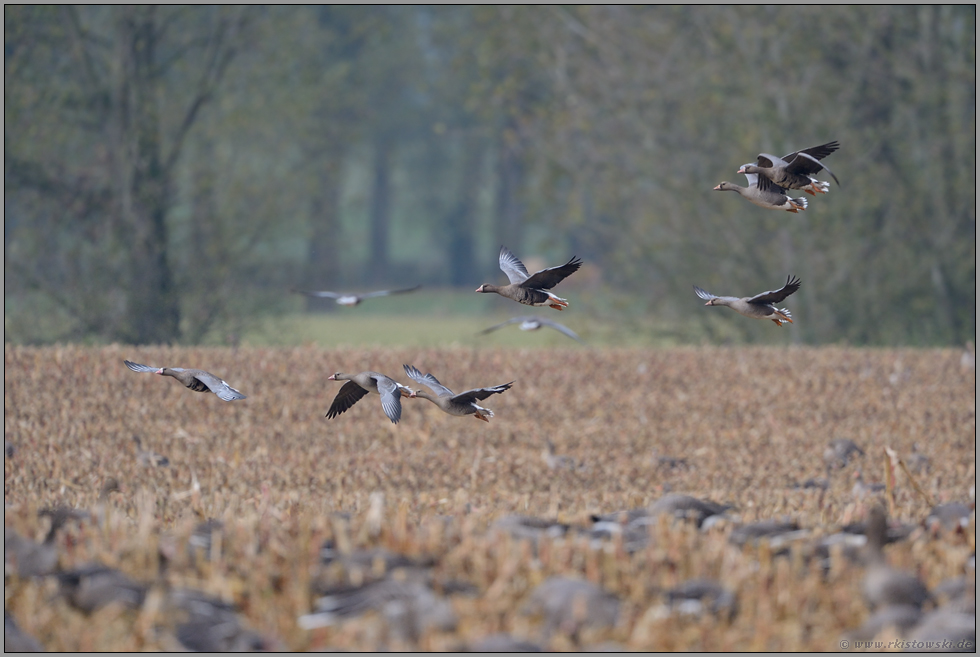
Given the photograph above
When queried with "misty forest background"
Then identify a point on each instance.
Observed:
(171, 173)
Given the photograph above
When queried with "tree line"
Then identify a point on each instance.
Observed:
(169, 171)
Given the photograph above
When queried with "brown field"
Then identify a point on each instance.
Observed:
(751, 421)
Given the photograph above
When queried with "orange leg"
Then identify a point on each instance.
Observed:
(480, 417)
(778, 323)
(809, 191)
(557, 307)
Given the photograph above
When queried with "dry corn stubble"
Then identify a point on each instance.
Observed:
(751, 422)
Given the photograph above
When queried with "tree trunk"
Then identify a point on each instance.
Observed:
(461, 221)
(377, 266)
(322, 265)
(510, 174)
(143, 185)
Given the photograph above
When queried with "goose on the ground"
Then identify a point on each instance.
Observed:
(760, 306)
(361, 384)
(884, 585)
(531, 290)
(196, 380)
(147, 457)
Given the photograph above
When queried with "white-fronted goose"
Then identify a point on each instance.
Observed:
(196, 380)
(462, 404)
(556, 461)
(503, 643)
(30, 559)
(409, 605)
(531, 290)
(840, 451)
(758, 307)
(89, 588)
(210, 624)
(147, 457)
(349, 299)
(902, 618)
(16, 639)
(862, 489)
(533, 323)
(361, 384)
(571, 605)
(883, 585)
(795, 170)
(764, 193)
(686, 507)
(697, 597)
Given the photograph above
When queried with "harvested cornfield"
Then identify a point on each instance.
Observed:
(744, 427)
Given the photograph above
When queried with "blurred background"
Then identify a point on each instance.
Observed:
(171, 173)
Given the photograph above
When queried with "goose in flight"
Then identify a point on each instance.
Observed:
(196, 380)
(758, 307)
(361, 384)
(347, 299)
(533, 323)
(531, 290)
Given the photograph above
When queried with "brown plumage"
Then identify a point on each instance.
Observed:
(531, 290)
(361, 384)
(795, 170)
(462, 404)
(764, 193)
(196, 380)
(884, 585)
(30, 559)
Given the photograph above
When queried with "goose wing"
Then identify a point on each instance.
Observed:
(775, 296)
(816, 152)
(478, 394)
(323, 294)
(512, 320)
(707, 296)
(427, 380)
(808, 165)
(136, 367)
(350, 393)
(560, 328)
(384, 293)
(391, 397)
(552, 276)
(510, 265)
(217, 386)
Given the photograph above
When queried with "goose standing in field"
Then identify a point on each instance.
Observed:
(147, 457)
(30, 559)
(840, 451)
(570, 605)
(758, 307)
(91, 587)
(884, 585)
(361, 384)
(462, 404)
(764, 193)
(531, 290)
(196, 380)
(533, 323)
(795, 170)
(346, 299)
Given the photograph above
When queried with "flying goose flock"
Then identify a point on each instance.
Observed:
(409, 592)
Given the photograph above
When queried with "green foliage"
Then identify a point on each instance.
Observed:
(171, 172)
